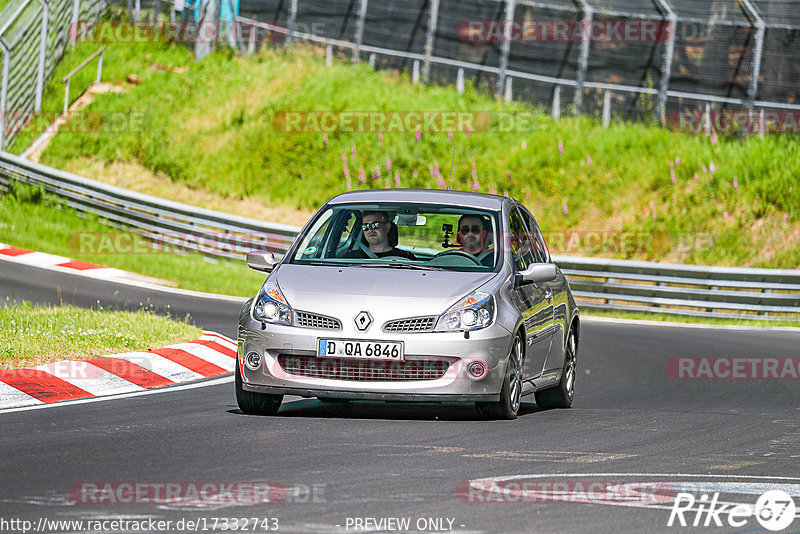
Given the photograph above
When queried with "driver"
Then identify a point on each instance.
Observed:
(473, 235)
(376, 227)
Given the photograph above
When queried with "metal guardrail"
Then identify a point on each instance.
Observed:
(164, 222)
(33, 36)
(691, 290)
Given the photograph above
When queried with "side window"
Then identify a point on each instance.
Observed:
(520, 242)
(537, 242)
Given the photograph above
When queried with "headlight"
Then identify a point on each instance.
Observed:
(473, 312)
(271, 307)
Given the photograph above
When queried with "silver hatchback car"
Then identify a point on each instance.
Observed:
(411, 295)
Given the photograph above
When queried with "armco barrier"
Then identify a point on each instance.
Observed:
(161, 221)
(721, 292)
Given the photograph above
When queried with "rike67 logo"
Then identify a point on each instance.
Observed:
(774, 510)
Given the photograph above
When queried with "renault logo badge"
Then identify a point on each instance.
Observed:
(363, 320)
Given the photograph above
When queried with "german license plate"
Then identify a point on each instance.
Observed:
(351, 348)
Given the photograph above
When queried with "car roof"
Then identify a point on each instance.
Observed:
(426, 196)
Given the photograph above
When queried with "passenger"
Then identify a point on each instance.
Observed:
(473, 235)
(381, 236)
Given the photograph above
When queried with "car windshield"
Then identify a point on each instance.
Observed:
(403, 236)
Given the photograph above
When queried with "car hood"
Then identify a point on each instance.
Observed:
(385, 293)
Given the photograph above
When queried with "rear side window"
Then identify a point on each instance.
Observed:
(521, 250)
(537, 242)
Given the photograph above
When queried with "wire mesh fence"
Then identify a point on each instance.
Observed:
(693, 66)
(33, 37)
(657, 58)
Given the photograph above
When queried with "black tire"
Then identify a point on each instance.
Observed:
(561, 396)
(255, 403)
(511, 393)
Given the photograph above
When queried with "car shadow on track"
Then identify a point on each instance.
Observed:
(385, 410)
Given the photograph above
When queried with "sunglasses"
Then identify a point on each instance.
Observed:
(371, 226)
(473, 229)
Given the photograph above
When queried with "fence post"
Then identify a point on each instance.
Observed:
(291, 22)
(42, 54)
(755, 71)
(707, 120)
(429, 39)
(557, 103)
(508, 96)
(66, 96)
(415, 72)
(505, 46)
(460, 81)
(209, 14)
(329, 56)
(4, 89)
(372, 61)
(362, 15)
(761, 124)
(138, 11)
(99, 68)
(606, 109)
(666, 67)
(251, 42)
(588, 15)
(73, 33)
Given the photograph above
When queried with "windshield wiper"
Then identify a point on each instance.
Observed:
(327, 263)
(400, 265)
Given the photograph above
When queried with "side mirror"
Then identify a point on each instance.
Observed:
(261, 261)
(536, 273)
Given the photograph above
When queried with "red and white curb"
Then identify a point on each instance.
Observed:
(210, 355)
(61, 263)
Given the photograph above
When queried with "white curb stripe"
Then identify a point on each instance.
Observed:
(225, 342)
(210, 355)
(11, 397)
(89, 378)
(161, 366)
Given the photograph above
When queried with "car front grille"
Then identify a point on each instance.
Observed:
(312, 320)
(363, 370)
(413, 324)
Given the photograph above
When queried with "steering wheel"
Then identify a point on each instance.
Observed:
(460, 253)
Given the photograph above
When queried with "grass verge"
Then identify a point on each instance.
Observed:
(33, 335)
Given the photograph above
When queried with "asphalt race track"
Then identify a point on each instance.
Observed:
(359, 467)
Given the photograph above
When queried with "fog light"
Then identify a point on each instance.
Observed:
(477, 370)
(252, 361)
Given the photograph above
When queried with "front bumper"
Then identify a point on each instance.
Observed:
(443, 350)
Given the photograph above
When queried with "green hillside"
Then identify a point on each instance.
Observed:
(218, 127)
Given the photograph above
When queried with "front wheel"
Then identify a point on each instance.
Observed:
(255, 403)
(511, 393)
(561, 396)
